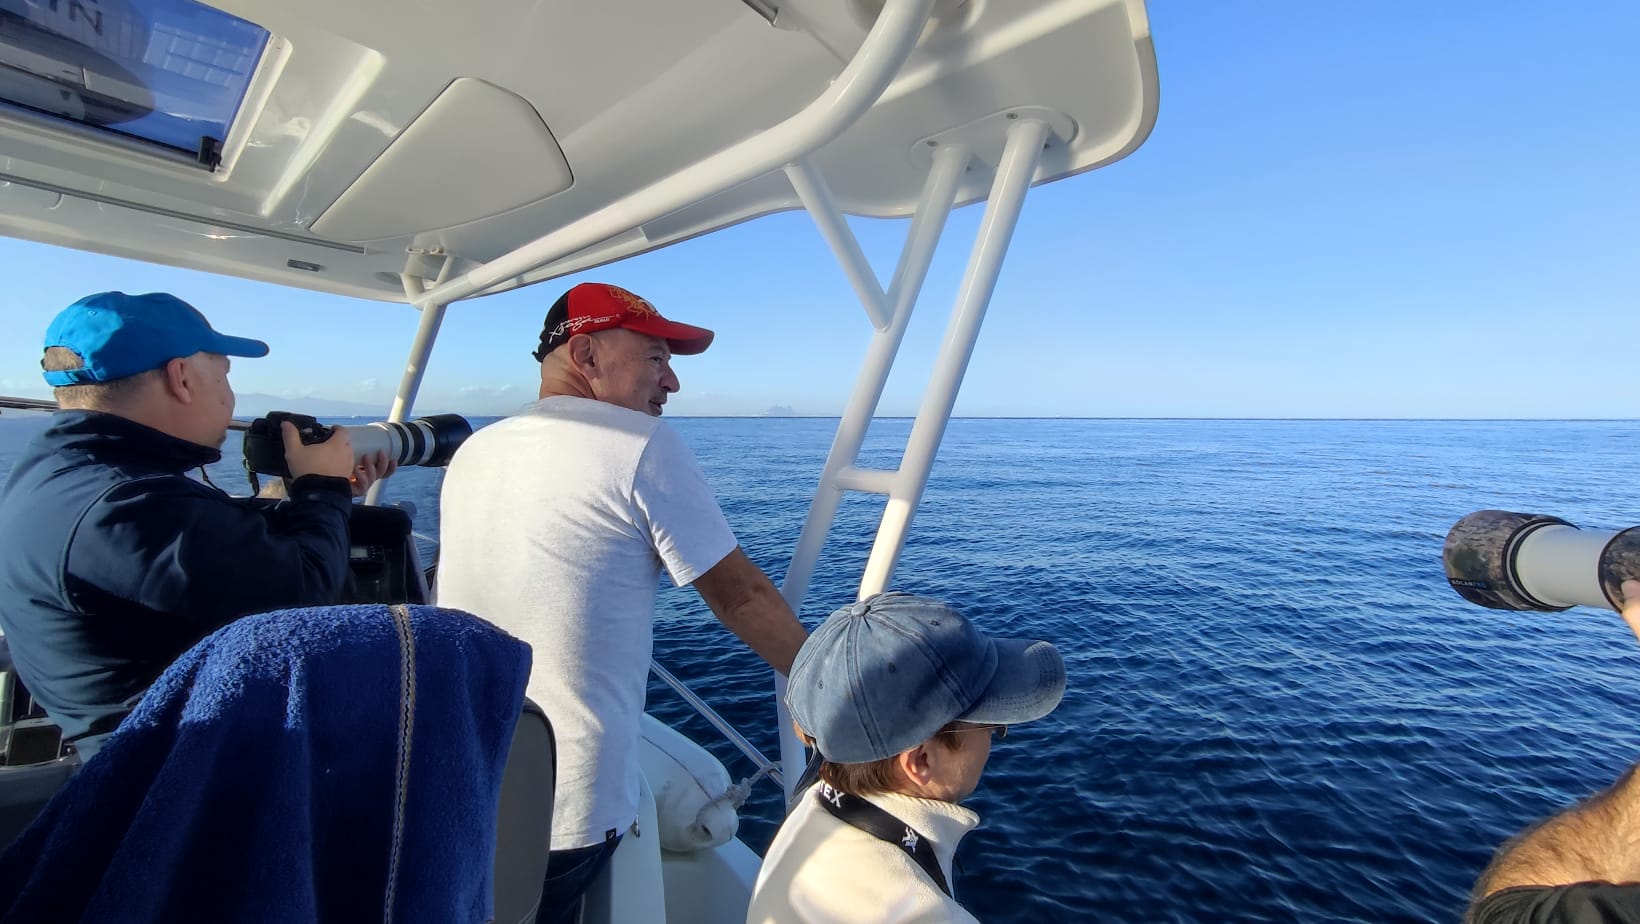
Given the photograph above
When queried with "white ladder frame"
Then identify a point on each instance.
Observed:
(890, 313)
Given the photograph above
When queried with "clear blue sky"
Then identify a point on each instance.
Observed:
(1346, 210)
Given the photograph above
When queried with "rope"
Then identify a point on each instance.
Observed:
(407, 713)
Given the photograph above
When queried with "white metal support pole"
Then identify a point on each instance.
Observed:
(816, 195)
(927, 226)
(415, 366)
(432, 317)
(1017, 168)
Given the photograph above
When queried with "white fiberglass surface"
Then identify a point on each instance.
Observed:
(170, 72)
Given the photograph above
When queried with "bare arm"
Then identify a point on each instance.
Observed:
(1595, 841)
(747, 602)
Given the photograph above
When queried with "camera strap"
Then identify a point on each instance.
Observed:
(871, 819)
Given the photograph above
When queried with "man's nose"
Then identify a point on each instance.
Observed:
(669, 380)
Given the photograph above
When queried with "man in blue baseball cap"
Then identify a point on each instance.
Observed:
(901, 696)
(114, 561)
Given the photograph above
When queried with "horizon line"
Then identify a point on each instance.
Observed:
(1075, 417)
(1115, 417)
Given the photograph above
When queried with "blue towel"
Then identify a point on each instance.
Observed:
(320, 764)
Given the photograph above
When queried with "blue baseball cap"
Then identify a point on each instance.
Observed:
(119, 335)
(883, 675)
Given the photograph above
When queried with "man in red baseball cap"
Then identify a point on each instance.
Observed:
(555, 525)
(595, 306)
(604, 343)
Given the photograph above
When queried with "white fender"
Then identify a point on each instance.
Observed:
(693, 805)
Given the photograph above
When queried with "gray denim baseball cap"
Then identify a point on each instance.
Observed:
(883, 675)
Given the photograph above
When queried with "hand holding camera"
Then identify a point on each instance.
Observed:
(317, 450)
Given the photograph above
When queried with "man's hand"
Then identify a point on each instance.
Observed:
(371, 469)
(1631, 605)
(333, 457)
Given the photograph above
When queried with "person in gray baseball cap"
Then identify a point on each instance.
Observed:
(901, 696)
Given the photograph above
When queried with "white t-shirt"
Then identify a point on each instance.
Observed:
(554, 525)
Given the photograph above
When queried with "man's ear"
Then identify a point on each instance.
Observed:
(581, 348)
(916, 765)
(179, 380)
(581, 353)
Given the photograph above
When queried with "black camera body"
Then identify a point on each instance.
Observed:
(265, 443)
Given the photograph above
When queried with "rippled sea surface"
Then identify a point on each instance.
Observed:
(1278, 710)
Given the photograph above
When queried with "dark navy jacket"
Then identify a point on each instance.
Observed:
(113, 562)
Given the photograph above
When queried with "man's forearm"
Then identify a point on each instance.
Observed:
(768, 626)
(749, 605)
(1595, 841)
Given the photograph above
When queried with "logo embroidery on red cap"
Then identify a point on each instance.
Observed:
(633, 303)
(628, 305)
(572, 326)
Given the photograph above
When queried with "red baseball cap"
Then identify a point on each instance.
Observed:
(595, 306)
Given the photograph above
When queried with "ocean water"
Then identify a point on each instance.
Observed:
(1277, 709)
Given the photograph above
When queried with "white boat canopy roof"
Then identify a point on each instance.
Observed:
(363, 146)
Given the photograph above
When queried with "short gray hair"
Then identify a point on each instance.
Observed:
(93, 396)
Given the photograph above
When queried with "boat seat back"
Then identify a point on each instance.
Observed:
(523, 816)
(226, 744)
(523, 833)
(25, 790)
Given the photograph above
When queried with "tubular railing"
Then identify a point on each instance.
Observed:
(764, 765)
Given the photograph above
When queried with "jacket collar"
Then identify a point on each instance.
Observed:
(943, 823)
(111, 438)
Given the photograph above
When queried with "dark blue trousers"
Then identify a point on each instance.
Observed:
(569, 874)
